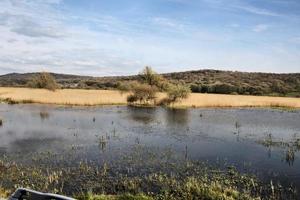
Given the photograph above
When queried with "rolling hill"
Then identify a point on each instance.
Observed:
(204, 81)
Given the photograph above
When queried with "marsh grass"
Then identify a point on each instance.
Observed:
(228, 185)
(13, 101)
(142, 173)
(90, 196)
(80, 97)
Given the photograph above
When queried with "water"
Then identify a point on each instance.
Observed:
(220, 137)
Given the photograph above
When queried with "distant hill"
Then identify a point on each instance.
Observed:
(205, 81)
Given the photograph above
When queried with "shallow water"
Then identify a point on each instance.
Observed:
(220, 137)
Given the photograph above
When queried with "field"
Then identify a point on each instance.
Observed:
(83, 97)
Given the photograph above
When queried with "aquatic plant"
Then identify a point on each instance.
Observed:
(290, 156)
(156, 173)
(237, 125)
(90, 196)
(291, 146)
(102, 142)
(44, 115)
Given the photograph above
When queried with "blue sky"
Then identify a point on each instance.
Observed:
(110, 37)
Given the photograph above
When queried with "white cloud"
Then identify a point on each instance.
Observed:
(257, 11)
(25, 25)
(234, 25)
(260, 28)
(36, 35)
(295, 40)
(161, 21)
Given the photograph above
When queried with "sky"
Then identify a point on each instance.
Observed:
(120, 37)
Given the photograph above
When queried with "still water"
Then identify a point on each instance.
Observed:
(220, 137)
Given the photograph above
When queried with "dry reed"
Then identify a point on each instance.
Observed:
(111, 97)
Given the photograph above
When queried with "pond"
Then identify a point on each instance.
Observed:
(263, 142)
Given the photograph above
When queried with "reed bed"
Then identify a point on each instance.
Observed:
(83, 97)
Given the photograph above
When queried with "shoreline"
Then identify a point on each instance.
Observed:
(89, 98)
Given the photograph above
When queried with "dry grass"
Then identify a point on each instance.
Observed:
(110, 97)
(219, 100)
(64, 97)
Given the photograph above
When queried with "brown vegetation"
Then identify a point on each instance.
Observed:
(177, 92)
(43, 80)
(144, 92)
(109, 97)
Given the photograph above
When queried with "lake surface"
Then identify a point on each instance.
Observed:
(265, 142)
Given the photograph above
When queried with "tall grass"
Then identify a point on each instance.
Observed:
(112, 97)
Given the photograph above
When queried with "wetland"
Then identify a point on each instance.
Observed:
(163, 153)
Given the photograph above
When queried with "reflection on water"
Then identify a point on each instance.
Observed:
(143, 115)
(177, 117)
(44, 115)
(267, 142)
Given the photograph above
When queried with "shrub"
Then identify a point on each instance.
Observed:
(177, 92)
(142, 93)
(126, 86)
(43, 80)
(132, 98)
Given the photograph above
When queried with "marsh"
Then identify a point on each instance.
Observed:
(153, 139)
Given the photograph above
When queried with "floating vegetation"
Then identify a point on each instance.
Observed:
(269, 141)
(291, 146)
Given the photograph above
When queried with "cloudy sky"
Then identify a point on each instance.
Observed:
(119, 37)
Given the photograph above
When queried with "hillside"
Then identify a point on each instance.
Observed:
(202, 81)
